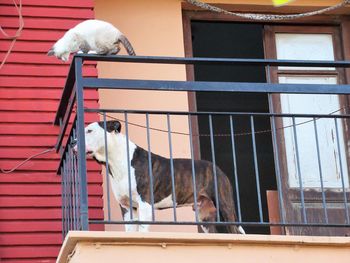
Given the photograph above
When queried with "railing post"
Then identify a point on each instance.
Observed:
(81, 144)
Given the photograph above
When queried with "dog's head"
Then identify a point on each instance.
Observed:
(95, 138)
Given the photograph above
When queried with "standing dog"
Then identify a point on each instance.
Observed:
(162, 187)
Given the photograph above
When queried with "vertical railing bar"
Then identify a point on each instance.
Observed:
(150, 165)
(214, 168)
(171, 168)
(62, 201)
(66, 194)
(73, 186)
(277, 162)
(301, 188)
(76, 186)
(63, 183)
(69, 193)
(128, 164)
(268, 73)
(320, 171)
(63, 192)
(81, 144)
(342, 173)
(71, 199)
(193, 170)
(107, 167)
(78, 191)
(70, 152)
(256, 167)
(233, 145)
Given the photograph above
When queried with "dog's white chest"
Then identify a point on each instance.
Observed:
(120, 184)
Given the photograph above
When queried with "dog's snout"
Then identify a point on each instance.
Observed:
(73, 145)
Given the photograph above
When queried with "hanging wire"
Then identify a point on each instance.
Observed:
(27, 160)
(218, 134)
(266, 17)
(17, 34)
(166, 131)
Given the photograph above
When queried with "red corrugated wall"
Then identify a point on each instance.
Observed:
(30, 88)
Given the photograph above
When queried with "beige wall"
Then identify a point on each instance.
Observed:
(113, 247)
(154, 27)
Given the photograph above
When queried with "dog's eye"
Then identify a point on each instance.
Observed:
(89, 131)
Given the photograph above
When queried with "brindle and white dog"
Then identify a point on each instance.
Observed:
(161, 169)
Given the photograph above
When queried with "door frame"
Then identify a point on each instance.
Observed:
(189, 13)
(270, 52)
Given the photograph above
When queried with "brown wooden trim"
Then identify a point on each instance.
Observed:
(345, 34)
(274, 213)
(192, 103)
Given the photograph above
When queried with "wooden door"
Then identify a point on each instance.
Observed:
(313, 154)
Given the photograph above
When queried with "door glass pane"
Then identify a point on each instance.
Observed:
(330, 155)
(304, 47)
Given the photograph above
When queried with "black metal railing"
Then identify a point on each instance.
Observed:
(301, 204)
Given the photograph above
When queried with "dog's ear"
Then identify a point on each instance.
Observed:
(117, 126)
(51, 52)
(112, 126)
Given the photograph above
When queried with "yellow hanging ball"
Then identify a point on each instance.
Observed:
(281, 2)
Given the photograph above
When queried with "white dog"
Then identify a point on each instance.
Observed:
(141, 190)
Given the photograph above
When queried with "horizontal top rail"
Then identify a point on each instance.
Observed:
(214, 61)
(263, 114)
(212, 86)
(196, 86)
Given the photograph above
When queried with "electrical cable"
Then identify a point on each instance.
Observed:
(17, 34)
(27, 160)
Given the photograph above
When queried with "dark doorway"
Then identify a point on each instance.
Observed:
(235, 40)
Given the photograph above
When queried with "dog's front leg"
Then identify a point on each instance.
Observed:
(145, 214)
(127, 217)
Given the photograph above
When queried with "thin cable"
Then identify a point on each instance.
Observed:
(266, 17)
(220, 134)
(27, 160)
(17, 34)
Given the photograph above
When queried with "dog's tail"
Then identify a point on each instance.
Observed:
(126, 43)
(226, 203)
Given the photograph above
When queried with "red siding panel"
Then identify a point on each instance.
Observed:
(48, 3)
(53, 12)
(30, 89)
(39, 23)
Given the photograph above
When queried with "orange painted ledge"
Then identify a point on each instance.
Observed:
(93, 246)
